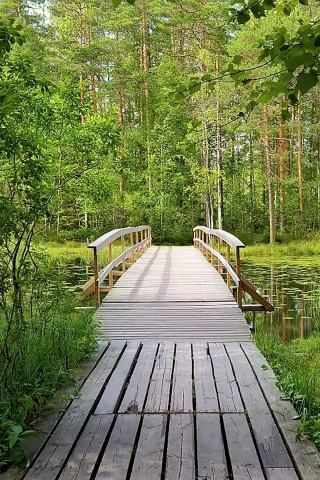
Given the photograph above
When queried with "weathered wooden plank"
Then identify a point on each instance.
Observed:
(84, 456)
(116, 458)
(134, 397)
(281, 474)
(228, 392)
(212, 464)
(181, 399)
(306, 456)
(205, 390)
(159, 390)
(244, 459)
(148, 459)
(181, 448)
(51, 459)
(117, 382)
(273, 452)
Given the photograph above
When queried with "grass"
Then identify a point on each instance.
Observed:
(297, 367)
(65, 251)
(292, 249)
(38, 354)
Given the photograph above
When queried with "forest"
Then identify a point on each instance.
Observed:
(148, 112)
(151, 113)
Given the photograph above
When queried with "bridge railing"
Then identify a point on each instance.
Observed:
(206, 239)
(140, 240)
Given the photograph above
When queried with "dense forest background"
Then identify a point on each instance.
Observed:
(105, 123)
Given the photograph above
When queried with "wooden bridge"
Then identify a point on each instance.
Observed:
(180, 391)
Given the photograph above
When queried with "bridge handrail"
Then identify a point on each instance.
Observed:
(106, 240)
(202, 237)
(102, 242)
(227, 237)
(223, 261)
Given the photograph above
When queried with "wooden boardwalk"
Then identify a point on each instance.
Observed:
(180, 392)
(170, 293)
(178, 411)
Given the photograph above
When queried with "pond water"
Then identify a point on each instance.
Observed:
(294, 289)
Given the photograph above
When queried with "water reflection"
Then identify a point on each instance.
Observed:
(294, 290)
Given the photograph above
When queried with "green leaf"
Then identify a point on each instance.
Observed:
(116, 2)
(251, 104)
(285, 115)
(179, 96)
(29, 433)
(295, 62)
(264, 98)
(317, 41)
(258, 11)
(195, 88)
(196, 123)
(237, 59)
(264, 367)
(303, 2)
(243, 18)
(268, 4)
(306, 81)
(205, 78)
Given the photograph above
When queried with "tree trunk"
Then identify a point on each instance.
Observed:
(272, 222)
(81, 77)
(281, 173)
(300, 179)
(145, 69)
(219, 155)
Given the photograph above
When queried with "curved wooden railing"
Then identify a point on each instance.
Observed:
(205, 239)
(137, 246)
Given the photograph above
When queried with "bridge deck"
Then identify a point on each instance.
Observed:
(170, 293)
(178, 411)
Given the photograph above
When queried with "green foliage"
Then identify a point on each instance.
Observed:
(297, 367)
(54, 338)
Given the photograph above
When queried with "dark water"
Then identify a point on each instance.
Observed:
(294, 289)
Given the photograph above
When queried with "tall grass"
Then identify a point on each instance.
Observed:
(295, 249)
(297, 367)
(38, 354)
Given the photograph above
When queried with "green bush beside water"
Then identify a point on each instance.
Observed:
(297, 367)
(38, 354)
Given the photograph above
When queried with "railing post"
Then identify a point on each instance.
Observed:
(202, 238)
(207, 252)
(238, 272)
(137, 241)
(211, 245)
(219, 250)
(131, 243)
(228, 260)
(122, 250)
(96, 275)
(109, 261)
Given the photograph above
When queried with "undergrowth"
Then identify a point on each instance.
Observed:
(297, 367)
(38, 353)
(297, 248)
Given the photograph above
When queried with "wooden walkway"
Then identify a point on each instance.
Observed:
(180, 392)
(172, 293)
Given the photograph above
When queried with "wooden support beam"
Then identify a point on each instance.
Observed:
(109, 261)
(238, 272)
(228, 260)
(96, 275)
